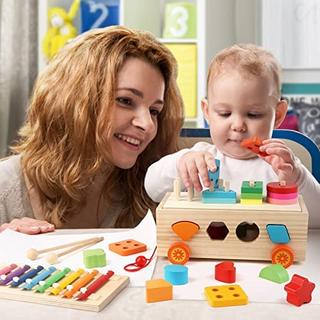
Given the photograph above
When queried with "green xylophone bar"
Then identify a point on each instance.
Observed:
(51, 280)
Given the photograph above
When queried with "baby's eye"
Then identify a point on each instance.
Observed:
(224, 114)
(255, 115)
(124, 101)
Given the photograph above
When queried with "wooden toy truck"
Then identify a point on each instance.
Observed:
(231, 231)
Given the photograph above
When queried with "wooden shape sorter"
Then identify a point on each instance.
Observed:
(97, 291)
(235, 217)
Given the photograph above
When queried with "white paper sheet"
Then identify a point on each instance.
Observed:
(14, 245)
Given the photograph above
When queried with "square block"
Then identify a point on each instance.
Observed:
(158, 290)
(225, 296)
(256, 188)
(127, 247)
(251, 201)
(251, 196)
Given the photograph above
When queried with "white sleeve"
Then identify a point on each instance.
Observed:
(161, 174)
(309, 187)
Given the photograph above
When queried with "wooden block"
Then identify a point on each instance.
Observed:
(257, 187)
(170, 211)
(250, 201)
(278, 187)
(127, 247)
(158, 290)
(225, 296)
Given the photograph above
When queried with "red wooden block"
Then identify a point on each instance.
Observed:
(299, 290)
(253, 144)
(277, 187)
(225, 272)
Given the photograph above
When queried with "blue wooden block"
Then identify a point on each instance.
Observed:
(214, 176)
(176, 274)
(278, 233)
(219, 196)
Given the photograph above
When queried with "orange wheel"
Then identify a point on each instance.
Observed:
(282, 255)
(179, 253)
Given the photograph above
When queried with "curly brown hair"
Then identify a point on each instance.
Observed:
(63, 141)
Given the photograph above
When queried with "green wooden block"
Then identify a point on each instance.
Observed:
(251, 195)
(256, 188)
(94, 258)
(180, 20)
(275, 272)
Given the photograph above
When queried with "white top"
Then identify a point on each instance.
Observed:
(160, 177)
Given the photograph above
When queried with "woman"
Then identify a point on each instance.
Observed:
(105, 108)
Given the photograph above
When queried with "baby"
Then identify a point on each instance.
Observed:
(243, 101)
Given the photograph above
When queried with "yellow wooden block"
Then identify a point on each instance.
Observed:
(158, 290)
(225, 296)
(251, 201)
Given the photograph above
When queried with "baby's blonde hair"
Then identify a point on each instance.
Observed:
(250, 59)
(64, 141)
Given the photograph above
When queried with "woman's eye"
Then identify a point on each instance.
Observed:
(124, 101)
(154, 112)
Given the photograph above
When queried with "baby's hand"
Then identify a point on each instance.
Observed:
(192, 164)
(281, 158)
(28, 226)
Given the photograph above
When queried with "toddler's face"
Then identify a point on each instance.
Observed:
(239, 106)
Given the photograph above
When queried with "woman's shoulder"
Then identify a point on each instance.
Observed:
(10, 171)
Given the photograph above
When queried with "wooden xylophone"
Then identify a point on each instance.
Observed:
(80, 289)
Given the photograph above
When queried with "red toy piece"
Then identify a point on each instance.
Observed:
(140, 263)
(299, 290)
(225, 272)
(253, 144)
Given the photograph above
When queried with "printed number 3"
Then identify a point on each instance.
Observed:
(181, 15)
(103, 16)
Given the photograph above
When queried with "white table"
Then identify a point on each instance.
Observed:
(130, 303)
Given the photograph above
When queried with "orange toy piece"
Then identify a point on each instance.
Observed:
(185, 229)
(283, 255)
(158, 290)
(253, 144)
(179, 253)
(127, 247)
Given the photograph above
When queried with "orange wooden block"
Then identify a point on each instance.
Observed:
(158, 290)
(253, 144)
(127, 247)
(185, 229)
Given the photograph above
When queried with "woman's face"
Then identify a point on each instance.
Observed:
(138, 103)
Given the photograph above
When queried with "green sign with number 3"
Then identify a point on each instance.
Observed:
(180, 20)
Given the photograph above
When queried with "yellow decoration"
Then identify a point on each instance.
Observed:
(60, 29)
(186, 55)
(225, 296)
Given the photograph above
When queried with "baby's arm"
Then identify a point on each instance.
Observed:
(161, 175)
(28, 226)
(290, 169)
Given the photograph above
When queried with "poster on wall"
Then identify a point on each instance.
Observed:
(99, 14)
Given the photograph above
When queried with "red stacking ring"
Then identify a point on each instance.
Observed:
(276, 187)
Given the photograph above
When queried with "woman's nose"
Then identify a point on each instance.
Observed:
(143, 120)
